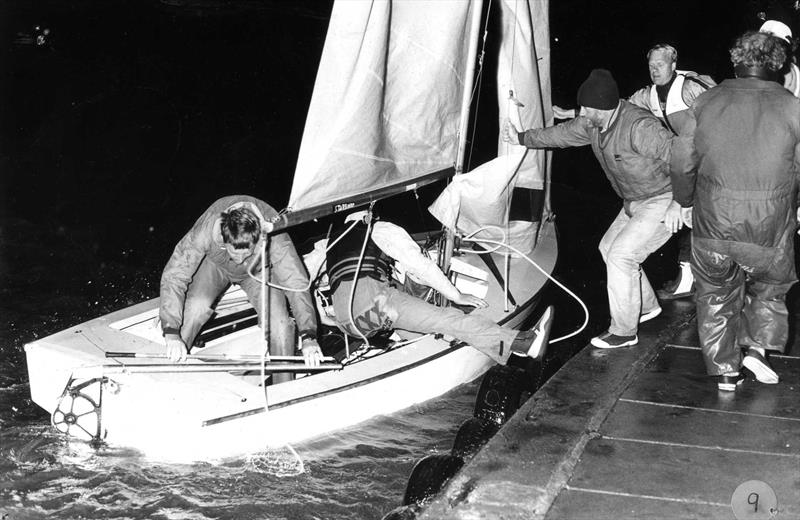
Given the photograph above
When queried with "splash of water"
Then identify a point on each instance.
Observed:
(280, 462)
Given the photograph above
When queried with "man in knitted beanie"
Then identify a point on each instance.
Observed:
(632, 147)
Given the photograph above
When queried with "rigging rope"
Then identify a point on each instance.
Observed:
(469, 238)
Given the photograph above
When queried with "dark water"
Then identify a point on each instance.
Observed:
(133, 116)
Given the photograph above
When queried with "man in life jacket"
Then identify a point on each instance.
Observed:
(736, 166)
(365, 302)
(669, 97)
(219, 250)
(790, 71)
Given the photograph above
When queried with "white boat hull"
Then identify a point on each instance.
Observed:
(207, 416)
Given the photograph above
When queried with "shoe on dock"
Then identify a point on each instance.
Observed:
(756, 363)
(681, 287)
(608, 340)
(729, 382)
(533, 342)
(649, 315)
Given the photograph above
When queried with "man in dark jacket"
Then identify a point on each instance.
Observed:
(632, 147)
(738, 167)
(219, 250)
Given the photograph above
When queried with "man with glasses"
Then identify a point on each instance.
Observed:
(223, 248)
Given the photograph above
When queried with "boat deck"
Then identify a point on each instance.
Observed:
(639, 433)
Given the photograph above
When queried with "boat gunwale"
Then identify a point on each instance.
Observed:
(454, 346)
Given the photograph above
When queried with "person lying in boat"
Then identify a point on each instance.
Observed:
(378, 306)
(218, 251)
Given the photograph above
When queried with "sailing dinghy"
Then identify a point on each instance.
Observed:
(389, 114)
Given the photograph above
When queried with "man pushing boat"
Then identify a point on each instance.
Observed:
(221, 249)
(632, 147)
(365, 303)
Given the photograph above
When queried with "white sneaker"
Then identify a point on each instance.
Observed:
(647, 316)
(759, 366)
(542, 334)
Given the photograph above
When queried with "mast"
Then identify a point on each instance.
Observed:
(466, 101)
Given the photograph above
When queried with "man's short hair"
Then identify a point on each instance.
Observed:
(672, 53)
(759, 50)
(240, 227)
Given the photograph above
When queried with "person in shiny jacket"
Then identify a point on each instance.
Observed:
(218, 251)
(738, 168)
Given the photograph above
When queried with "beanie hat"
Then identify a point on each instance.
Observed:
(599, 91)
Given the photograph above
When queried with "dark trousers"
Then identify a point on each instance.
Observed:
(684, 238)
(207, 286)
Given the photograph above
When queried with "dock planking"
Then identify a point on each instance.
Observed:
(584, 505)
(681, 474)
(677, 376)
(638, 433)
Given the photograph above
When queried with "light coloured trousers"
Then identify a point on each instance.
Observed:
(378, 306)
(637, 231)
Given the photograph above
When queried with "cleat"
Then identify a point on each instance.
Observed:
(608, 340)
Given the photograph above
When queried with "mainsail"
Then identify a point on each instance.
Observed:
(387, 106)
(482, 197)
(387, 99)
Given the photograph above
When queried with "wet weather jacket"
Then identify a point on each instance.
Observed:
(739, 162)
(684, 89)
(633, 151)
(204, 241)
(738, 166)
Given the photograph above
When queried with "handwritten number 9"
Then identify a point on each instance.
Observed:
(752, 499)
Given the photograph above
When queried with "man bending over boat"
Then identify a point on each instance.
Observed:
(632, 147)
(377, 306)
(217, 252)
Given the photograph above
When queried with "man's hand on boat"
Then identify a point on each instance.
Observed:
(176, 348)
(469, 300)
(312, 353)
(510, 132)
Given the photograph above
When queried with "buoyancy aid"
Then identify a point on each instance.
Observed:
(342, 258)
(675, 100)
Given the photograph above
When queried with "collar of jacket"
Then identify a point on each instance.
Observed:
(744, 71)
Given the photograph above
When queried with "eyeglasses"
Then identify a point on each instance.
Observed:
(237, 251)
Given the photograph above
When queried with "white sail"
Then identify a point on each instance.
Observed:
(481, 197)
(524, 69)
(387, 98)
